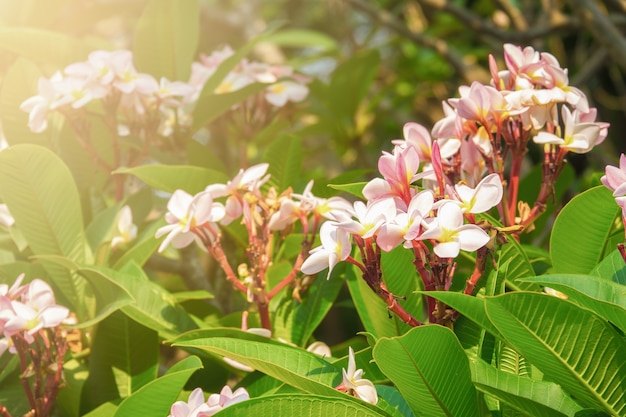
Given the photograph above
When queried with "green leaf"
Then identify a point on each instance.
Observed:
(157, 397)
(154, 307)
(124, 357)
(294, 366)
(170, 178)
(42, 197)
(431, 386)
(302, 38)
(581, 230)
(105, 410)
(570, 344)
(395, 399)
(143, 247)
(166, 38)
(75, 374)
(284, 156)
(44, 46)
(535, 398)
(356, 189)
(612, 267)
(211, 105)
(606, 298)
(300, 405)
(183, 296)
(402, 281)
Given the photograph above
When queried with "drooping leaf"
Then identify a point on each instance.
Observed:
(604, 297)
(156, 397)
(42, 197)
(166, 38)
(581, 230)
(566, 342)
(294, 366)
(169, 178)
(531, 397)
(431, 386)
(355, 189)
(612, 267)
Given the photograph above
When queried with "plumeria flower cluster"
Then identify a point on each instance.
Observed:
(269, 216)
(31, 327)
(196, 406)
(140, 99)
(615, 180)
(27, 309)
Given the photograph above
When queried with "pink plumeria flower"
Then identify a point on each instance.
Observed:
(577, 137)
(335, 247)
(227, 397)
(185, 215)
(451, 235)
(16, 290)
(125, 229)
(250, 179)
(486, 195)
(615, 178)
(399, 171)
(354, 384)
(406, 226)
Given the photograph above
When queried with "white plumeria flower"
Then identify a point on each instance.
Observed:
(279, 93)
(38, 106)
(126, 230)
(354, 384)
(369, 218)
(194, 407)
(577, 137)
(320, 349)
(6, 219)
(226, 398)
(451, 234)
(250, 179)
(335, 247)
(486, 195)
(185, 214)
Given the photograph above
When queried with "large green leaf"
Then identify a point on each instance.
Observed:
(301, 405)
(302, 37)
(612, 268)
(39, 45)
(431, 386)
(169, 178)
(124, 357)
(580, 351)
(166, 38)
(606, 298)
(535, 398)
(581, 230)
(42, 197)
(294, 366)
(157, 397)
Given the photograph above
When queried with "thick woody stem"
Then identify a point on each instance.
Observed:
(479, 269)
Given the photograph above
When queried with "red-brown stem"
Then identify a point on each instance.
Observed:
(21, 346)
(514, 179)
(218, 254)
(4, 412)
(479, 269)
(288, 279)
(264, 314)
(392, 305)
(622, 251)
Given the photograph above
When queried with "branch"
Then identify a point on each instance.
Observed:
(602, 28)
(469, 72)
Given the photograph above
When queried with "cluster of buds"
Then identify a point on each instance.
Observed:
(142, 100)
(266, 215)
(196, 406)
(30, 323)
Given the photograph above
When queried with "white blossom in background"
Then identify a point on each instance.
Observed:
(354, 384)
(125, 229)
